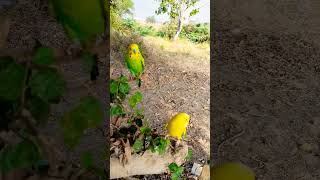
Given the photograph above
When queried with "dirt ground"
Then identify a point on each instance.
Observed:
(174, 82)
(265, 103)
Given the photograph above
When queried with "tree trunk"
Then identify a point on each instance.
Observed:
(180, 21)
(179, 29)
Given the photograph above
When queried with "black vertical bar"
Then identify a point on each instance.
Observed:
(213, 78)
(106, 5)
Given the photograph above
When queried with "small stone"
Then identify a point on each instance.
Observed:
(306, 147)
(196, 169)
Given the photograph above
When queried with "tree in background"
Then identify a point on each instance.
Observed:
(151, 19)
(178, 10)
(118, 8)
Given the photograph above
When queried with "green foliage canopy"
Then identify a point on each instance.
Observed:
(118, 8)
(175, 7)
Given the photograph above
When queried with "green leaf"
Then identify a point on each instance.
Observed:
(135, 99)
(73, 125)
(176, 171)
(173, 167)
(21, 155)
(161, 144)
(5, 61)
(87, 114)
(138, 122)
(48, 85)
(116, 110)
(82, 19)
(93, 112)
(175, 176)
(149, 138)
(12, 78)
(43, 56)
(124, 88)
(179, 171)
(138, 145)
(39, 109)
(190, 154)
(87, 160)
(145, 130)
(194, 12)
(123, 79)
(114, 86)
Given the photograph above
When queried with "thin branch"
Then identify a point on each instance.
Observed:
(220, 146)
(56, 177)
(28, 121)
(59, 53)
(23, 91)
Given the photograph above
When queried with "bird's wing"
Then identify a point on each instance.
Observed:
(127, 60)
(129, 66)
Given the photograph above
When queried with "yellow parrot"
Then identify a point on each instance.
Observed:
(177, 126)
(232, 171)
(135, 62)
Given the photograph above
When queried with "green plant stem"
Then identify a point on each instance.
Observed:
(23, 91)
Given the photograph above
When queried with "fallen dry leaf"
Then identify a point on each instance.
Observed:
(127, 152)
(117, 143)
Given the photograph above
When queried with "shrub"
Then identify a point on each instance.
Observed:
(135, 28)
(167, 30)
(117, 10)
(197, 33)
(151, 19)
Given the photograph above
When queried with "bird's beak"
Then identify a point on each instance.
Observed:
(134, 51)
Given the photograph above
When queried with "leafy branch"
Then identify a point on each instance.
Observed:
(31, 83)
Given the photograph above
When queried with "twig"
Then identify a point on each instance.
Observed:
(59, 53)
(53, 176)
(229, 139)
(28, 121)
(23, 91)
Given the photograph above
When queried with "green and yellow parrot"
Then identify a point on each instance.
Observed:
(177, 126)
(232, 171)
(135, 62)
(84, 21)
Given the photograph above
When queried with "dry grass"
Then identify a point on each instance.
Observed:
(182, 54)
(181, 46)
